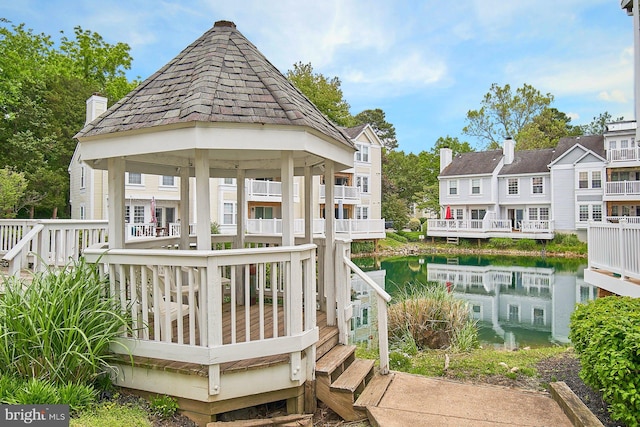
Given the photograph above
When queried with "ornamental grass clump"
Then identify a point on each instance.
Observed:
(59, 327)
(431, 317)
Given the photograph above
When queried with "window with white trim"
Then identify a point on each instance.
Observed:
(475, 186)
(362, 182)
(229, 181)
(453, 187)
(544, 214)
(596, 179)
(134, 178)
(584, 213)
(537, 185)
(459, 214)
(596, 212)
(583, 180)
(229, 213)
(514, 312)
(127, 214)
(612, 145)
(83, 212)
(512, 186)
(138, 214)
(533, 214)
(362, 155)
(538, 316)
(362, 212)
(82, 178)
(168, 181)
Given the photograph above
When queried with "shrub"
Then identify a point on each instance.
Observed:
(500, 242)
(526, 244)
(164, 406)
(606, 336)
(414, 224)
(432, 317)
(396, 237)
(65, 316)
(77, 396)
(411, 236)
(362, 247)
(35, 392)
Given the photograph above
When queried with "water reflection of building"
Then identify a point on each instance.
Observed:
(512, 299)
(365, 313)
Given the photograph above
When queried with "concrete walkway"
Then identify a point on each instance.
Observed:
(412, 400)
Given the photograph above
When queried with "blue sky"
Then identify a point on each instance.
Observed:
(425, 63)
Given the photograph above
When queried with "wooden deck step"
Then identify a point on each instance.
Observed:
(328, 340)
(372, 394)
(335, 361)
(355, 377)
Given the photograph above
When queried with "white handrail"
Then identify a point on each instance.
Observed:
(19, 252)
(383, 299)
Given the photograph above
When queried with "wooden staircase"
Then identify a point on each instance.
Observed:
(453, 240)
(348, 385)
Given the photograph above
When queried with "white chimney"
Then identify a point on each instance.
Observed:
(96, 105)
(508, 150)
(446, 157)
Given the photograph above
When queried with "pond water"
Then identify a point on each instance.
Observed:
(518, 301)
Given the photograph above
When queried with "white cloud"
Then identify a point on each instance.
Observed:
(613, 96)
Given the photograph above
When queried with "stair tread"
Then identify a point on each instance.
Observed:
(372, 394)
(353, 376)
(338, 354)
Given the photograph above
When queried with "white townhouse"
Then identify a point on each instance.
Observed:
(521, 194)
(152, 202)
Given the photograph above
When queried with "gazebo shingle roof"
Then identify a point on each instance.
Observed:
(220, 77)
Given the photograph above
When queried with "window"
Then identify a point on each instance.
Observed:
(138, 214)
(596, 212)
(614, 210)
(536, 185)
(127, 214)
(538, 316)
(229, 213)
(583, 180)
(459, 214)
(544, 214)
(612, 145)
(514, 313)
(584, 213)
(82, 178)
(478, 213)
(362, 212)
(362, 155)
(533, 214)
(362, 182)
(512, 185)
(168, 181)
(596, 179)
(82, 212)
(135, 178)
(264, 212)
(453, 187)
(230, 181)
(624, 143)
(475, 186)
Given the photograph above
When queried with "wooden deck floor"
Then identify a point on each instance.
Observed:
(241, 336)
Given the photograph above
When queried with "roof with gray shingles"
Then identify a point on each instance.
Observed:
(353, 132)
(220, 77)
(528, 161)
(475, 163)
(594, 143)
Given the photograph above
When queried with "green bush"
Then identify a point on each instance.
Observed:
(164, 406)
(363, 247)
(500, 242)
(606, 336)
(396, 237)
(414, 224)
(59, 327)
(411, 236)
(526, 244)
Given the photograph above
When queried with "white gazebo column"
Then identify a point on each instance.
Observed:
(116, 167)
(329, 243)
(241, 208)
(184, 208)
(308, 205)
(286, 176)
(203, 210)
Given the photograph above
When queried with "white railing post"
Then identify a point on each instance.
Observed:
(343, 291)
(623, 258)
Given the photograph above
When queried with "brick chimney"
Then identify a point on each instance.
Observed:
(508, 149)
(96, 105)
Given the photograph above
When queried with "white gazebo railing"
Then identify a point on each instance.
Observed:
(176, 299)
(615, 248)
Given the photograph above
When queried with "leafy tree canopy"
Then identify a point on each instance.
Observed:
(545, 130)
(598, 125)
(505, 113)
(385, 130)
(13, 186)
(325, 93)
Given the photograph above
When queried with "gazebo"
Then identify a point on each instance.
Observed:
(222, 322)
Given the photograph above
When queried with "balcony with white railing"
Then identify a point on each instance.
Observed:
(616, 155)
(614, 257)
(622, 190)
(267, 191)
(628, 219)
(487, 228)
(348, 195)
(357, 229)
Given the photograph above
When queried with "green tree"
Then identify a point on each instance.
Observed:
(505, 113)
(385, 130)
(13, 187)
(545, 130)
(395, 209)
(325, 93)
(598, 125)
